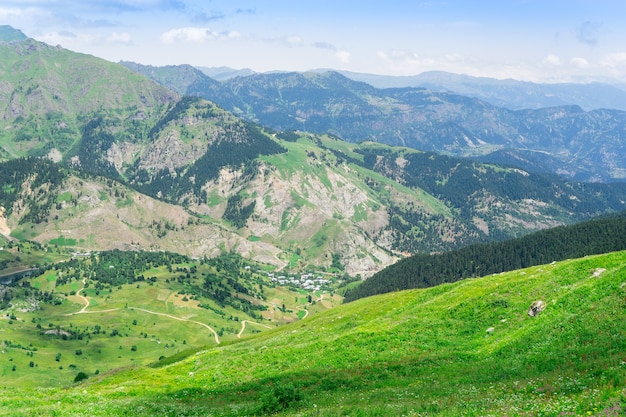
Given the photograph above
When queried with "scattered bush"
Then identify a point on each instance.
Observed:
(279, 398)
(80, 377)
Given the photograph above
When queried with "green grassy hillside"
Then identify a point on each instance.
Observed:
(92, 313)
(463, 349)
(50, 94)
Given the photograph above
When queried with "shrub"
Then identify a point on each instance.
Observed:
(279, 398)
(80, 377)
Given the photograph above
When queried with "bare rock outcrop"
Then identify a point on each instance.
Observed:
(4, 226)
(536, 308)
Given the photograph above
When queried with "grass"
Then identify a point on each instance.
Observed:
(131, 325)
(360, 213)
(65, 197)
(413, 353)
(214, 199)
(293, 261)
(63, 241)
(126, 202)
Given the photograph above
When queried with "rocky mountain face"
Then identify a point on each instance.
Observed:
(582, 145)
(137, 166)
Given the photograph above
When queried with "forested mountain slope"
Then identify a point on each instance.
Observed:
(315, 201)
(600, 235)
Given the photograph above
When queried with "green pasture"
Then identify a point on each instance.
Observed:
(462, 349)
(47, 345)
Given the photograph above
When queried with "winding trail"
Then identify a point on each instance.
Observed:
(243, 327)
(83, 311)
(156, 313)
(82, 297)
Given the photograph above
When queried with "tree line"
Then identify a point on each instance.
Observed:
(43, 177)
(600, 235)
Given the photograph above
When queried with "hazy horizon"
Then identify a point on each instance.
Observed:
(529, 40)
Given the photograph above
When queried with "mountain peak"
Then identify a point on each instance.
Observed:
(9, 34)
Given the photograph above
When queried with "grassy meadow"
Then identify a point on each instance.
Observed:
(85, 327)
(463, 349)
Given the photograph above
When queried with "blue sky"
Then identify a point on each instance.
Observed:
(533, 40)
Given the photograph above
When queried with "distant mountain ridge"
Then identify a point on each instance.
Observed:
(578, 144)
(225, 73)
(508, 93)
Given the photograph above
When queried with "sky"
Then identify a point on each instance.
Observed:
(531, 40)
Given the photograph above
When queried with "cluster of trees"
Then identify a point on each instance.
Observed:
(181, 107)
(288, 135)
(23, 291)
(43, 177)
(236, 146)
(92, 151)
(221, 279)
(236, 212)
(225, 290)
(416, 231)
(600, 235)
(114, 267)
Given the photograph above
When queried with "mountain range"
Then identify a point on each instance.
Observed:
(183, 167)
(508, 93)
(567, 140)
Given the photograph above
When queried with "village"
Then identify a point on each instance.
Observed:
(306, 281)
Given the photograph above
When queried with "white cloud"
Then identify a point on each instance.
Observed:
(399, 57)
(7, 13)
(293, 40)
(196, 35)
(120, 38)
(287, 41)
(19, 16)
(580, 63)
(552, 60)
(343, 56)
(453, 58)
(614, 61)
(325, 45)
